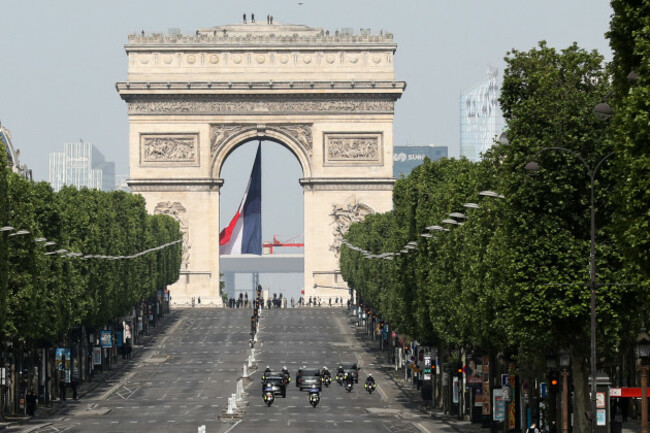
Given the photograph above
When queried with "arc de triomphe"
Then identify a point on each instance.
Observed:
(328, 97)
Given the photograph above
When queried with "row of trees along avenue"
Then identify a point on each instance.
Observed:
(511, 282)
(43, 298)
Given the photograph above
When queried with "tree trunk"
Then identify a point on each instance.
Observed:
(581, 404)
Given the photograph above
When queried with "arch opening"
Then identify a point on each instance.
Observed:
(297, 138)
(282, 217)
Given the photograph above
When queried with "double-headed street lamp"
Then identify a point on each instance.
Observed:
(534, 167)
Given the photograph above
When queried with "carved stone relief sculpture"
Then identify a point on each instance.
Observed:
(166, 149)
(244, 105)
(343, 215)
(301, 133)
(177, 211)
(344, 149)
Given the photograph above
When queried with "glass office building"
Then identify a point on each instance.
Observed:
(481, 120)
(81, 165)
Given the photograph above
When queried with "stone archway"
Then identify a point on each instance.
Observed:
(329, 98)
(296, 137)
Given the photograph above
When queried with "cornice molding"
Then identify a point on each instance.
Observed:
(347, 184)
(146, 87)
(217, 39)
(163, 185)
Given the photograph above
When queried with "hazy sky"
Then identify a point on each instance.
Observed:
(61, 60)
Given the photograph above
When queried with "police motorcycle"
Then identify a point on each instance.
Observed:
(340, 373)
(370, 384)
(349, 382)
(314, 396)
(286, 375)
(268, 395)
(326, 377)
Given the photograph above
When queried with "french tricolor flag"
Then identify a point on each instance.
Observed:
(244, 233)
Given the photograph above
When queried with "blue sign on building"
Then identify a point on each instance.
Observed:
(406, 158)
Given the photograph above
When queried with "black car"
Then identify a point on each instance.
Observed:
(309, 378)
(277, 382)
(351, 368)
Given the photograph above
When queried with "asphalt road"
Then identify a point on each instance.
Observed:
(314, 338)
(185, 376)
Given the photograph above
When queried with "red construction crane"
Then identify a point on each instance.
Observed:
(278, 243)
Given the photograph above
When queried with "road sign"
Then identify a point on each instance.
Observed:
(427, 367)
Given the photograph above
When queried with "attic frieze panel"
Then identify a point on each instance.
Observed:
(256, 104)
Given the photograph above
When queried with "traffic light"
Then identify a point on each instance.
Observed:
(554, 381)
(381, 325)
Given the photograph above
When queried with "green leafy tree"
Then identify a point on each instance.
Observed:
(4, 220)
(548, 98)
(629, 37)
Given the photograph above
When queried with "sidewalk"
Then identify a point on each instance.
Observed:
(101, 380)
(404, 392)
(396, 390)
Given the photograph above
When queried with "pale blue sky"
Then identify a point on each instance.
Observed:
(61, 60)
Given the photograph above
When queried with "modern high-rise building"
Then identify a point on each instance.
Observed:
(81, 165)
(406, 158)
(13, 155)
(481, 120)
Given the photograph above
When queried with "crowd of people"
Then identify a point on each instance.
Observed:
(278, 301)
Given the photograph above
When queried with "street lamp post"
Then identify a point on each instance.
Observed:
(533, 167)
(643, 351)
(565, 361)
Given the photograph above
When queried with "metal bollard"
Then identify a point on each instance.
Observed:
(201, 429)
(234, 401)
(245, 371)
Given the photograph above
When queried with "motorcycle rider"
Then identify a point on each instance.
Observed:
(349, 379)
(326, 376)
(370, 381)
(314, 396)
(266, 370)
(286, 374)
(340, 373)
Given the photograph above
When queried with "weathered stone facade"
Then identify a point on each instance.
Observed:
(328, 97)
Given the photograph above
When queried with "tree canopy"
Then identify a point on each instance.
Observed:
(42, 295)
